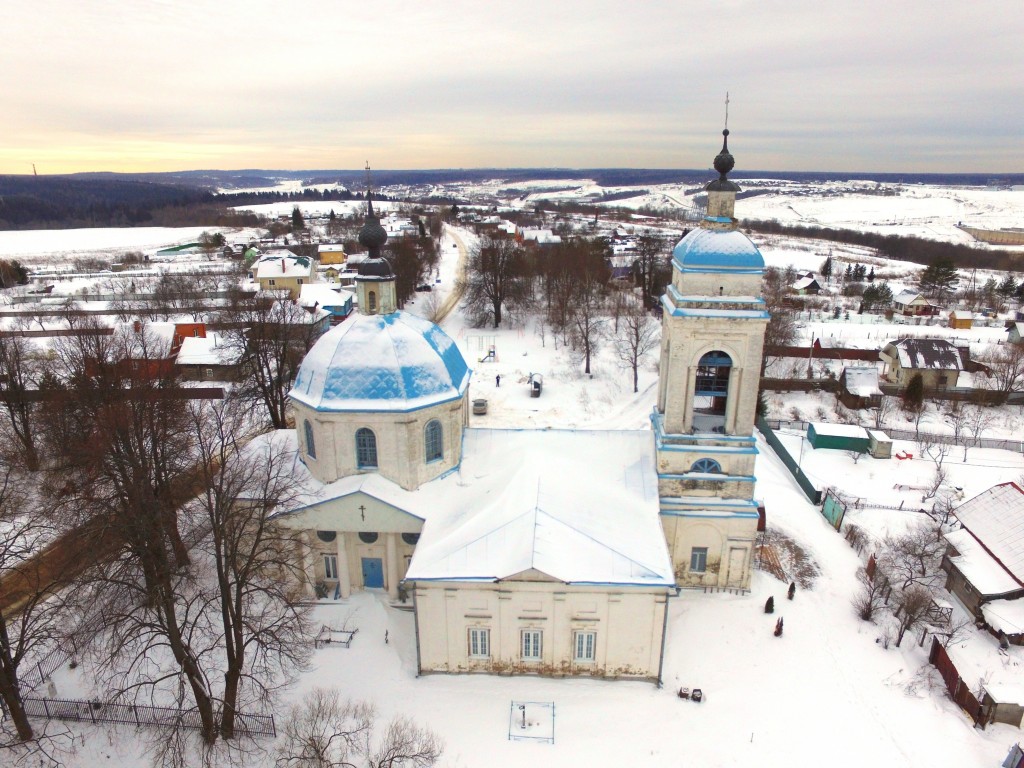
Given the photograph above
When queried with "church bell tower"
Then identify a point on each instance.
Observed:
(713, 330)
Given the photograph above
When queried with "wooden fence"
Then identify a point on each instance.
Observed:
(959, 691)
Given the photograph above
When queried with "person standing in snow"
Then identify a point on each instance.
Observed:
(497, 380)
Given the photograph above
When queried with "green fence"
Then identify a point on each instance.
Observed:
(806, 485)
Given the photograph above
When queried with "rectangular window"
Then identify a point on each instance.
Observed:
(331, 567)
(699, 559)
(584, 645)
(479, 643)
(270, 282)
(531, 644)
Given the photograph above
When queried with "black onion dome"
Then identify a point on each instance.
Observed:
(372, 235)
(724, 161)
(375, 266)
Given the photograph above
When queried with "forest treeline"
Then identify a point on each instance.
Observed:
(916, 250)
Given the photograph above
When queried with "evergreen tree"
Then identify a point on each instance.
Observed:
(877, 296)
(297, 221)
(871, 275)
(939, 278)
(1007, 288)
(859, 273)
(826, 268)
(848, 273)
(913, 395)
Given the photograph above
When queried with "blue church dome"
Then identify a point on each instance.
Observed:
(714, 249)
(392, 362)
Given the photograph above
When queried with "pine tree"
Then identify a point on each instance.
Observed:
(871, 275)
(848, 273)
(913, 395)
(826, 268)
(939, 278)
(1007, 288)
(297, 221)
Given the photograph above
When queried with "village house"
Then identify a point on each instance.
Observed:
(938, 362)
(336, 302)
(985, 559)
(913, 304)
(283, 270)
(209, 357)
(331, 253)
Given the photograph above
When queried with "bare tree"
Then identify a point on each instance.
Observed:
(979, 419)
(271, 337)
(914, 557)
(587, 318)
(20, 370)
(1007, 370)
(869, 598)
(881, 414)
(637, 336)
(322, 731)
(496, 280)
(912, 607)
(651, 267)
(257, 564)
(781, 328)
(29, 611)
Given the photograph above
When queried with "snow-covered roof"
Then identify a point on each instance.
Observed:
(838, 430)
(991, 542)
(936, 354)
(578, 506)
(581, 507)
(211, 350)
(323, 295)
(717, 248)
(805, 282)
(393, 362)
(906, 297)
(1005, 615)
(282, 264)
(861, 381)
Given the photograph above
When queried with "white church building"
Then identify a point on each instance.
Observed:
(535, 551)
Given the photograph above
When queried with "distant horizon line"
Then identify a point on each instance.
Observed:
(523, 169)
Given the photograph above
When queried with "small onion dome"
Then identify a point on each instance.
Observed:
(372, 235)
(375, 267)
(724, 162)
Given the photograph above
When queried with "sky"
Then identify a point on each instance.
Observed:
(159, 85)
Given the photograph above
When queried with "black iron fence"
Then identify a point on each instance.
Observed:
(138, 714)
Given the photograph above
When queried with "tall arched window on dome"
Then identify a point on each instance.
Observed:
(371, 301)
(433, 441)
(712, 392)
(366, 448)
(310, 442)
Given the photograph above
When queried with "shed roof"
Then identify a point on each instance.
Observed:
(991, 542)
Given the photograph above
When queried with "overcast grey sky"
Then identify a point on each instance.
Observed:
(893, 85)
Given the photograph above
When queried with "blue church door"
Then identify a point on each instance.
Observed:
(373, 572)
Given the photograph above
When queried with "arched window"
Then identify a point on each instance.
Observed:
(327, 536)
(712, 391)
(310, 443)
(411, 538)
(706, 465)
(371, 301)
(432, 440)
(366, 448)
(368, 537)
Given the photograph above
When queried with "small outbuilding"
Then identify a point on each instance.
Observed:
(858, 387)
(842, 437)
(962, 319)
(879, 444)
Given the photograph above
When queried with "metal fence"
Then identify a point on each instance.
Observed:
(812, 493)
(137, 714)
(917, 437)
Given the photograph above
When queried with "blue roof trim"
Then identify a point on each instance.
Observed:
(741, 515)
(658, 424)
(678, 298)
(433, 404)
(703, 502)
(719, 219)
(714, 477)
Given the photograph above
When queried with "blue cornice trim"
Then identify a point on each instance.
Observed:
(703, 502)
(719, 516)
(678, 297)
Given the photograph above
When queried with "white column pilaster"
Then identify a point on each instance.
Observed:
(392, 565)
(344, 579)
